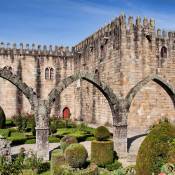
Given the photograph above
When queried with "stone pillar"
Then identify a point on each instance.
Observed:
(42, 143)
(120, 129)
(42, 130)
(120, 140)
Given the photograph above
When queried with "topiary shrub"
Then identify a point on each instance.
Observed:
(66, 141)
(154, 151)
(76, 155)
(57, 159)
(102, 133)
(2, 119)
(102, 152)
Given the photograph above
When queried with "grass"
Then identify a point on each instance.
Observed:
(17, 138)
(81, 135)
(4, 132)
(53, 139)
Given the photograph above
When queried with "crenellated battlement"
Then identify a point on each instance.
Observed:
(126, 26)
(34, 50)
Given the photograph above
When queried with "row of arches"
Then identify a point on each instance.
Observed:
(119, 107)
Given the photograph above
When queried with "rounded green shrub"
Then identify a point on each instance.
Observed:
(102, 152)
(102, 133)
(154, 151)
(76, 155)
(2, 118)
(66, 141)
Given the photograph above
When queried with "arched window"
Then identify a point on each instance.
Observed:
(47, 73)
(51, 73)
(164, 52)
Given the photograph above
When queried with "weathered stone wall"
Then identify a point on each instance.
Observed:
(121, 54)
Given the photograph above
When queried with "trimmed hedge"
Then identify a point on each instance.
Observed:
(17, 138)
(5, 132)
(102, 152)
(76, 155)
(154, 151)
(66, 141)
(9, 123)
(57, 159)
(102, 133)
(30, 141)
(53, 139)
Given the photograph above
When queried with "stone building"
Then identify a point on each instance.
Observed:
(132, 57)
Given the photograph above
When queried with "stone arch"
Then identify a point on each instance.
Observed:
(112, 98)
(157, 79)
(6, 74)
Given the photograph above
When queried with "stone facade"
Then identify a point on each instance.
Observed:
(121, 76)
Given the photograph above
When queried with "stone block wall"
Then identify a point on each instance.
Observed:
(120, 54)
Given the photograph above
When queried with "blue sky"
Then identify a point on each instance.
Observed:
(67, 22)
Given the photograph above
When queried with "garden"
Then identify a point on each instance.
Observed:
(156, 155)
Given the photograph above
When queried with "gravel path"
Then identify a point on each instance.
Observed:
(52, 146)
(31, 147)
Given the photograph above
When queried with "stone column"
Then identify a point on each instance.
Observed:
(42, 143)
(42, 131)
(120, 140)
(120, 130)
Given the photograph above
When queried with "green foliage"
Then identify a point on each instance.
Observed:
(54, 124)
(80, 133)
(53, 139)
(11, 167)
(2, 118)
(130, 170)
(4, 132)
(30, 141)
(91, 138)
(9, 123)
(43, 167)
(120, 171)
(36, 165)
(66, 141)
(62, 170)
(113, 166)
(171, 153)
(20, 121)
(168, 169)
(17, 138)
(24, 121)
(154, 151)
(102, 152)
(102, 133)
(91, 170)
(57, 160)
(76, 155)
(31, 123)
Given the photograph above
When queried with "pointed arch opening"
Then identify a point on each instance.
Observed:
(112, 98)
